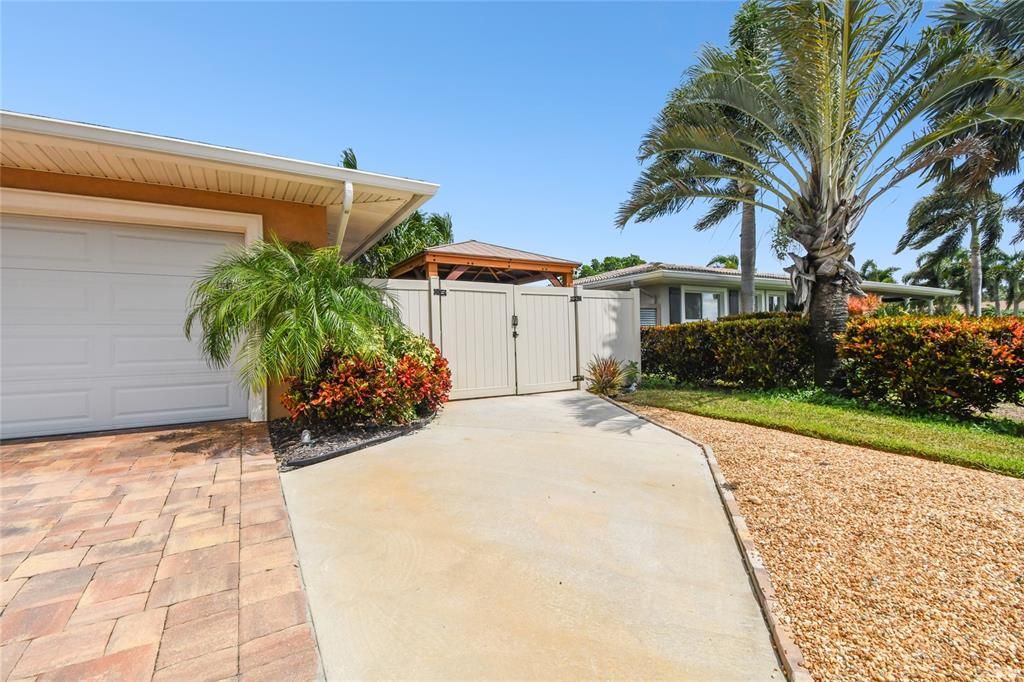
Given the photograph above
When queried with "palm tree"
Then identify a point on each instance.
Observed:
(997, 31)
(278, 308)
(411, 236)
(671, 183)
(870, 271)
(1015, 282)
(953, 216)
(831, 102)
(951, 271)
(415, 233)
(996, 270)
(722, 261)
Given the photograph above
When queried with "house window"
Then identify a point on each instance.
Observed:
(734, 302)
(775, 302)
(675, 306)
(712, 305)
(648, 317)
(694, 306)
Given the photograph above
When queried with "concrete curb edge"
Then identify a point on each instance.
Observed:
(786, 649)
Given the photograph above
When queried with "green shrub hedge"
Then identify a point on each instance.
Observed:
(950, 365)
(765, 350)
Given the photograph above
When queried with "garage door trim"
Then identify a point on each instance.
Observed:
(139, 214)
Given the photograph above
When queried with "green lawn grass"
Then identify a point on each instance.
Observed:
(991, 444)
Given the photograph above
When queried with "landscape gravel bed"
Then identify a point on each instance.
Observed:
(886, 566)
(328, 441)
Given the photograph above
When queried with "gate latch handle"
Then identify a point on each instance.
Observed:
(515, 320)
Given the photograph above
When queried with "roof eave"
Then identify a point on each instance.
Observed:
(100, 135)
(661, 274)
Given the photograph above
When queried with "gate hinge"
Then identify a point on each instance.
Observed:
(578, 377)
(575, 299)
(440, 292)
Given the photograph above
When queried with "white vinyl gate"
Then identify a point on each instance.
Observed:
(502, 339)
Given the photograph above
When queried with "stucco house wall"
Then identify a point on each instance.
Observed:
(289, 221)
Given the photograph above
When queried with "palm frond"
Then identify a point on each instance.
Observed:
(276, 308)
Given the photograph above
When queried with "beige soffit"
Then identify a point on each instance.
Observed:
(379, 202)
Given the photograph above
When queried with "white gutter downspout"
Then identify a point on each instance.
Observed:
(346, 212)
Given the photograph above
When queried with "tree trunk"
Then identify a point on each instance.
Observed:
(748, 254)
(975, 270)
(828, 313)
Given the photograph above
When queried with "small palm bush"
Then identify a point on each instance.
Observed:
(283, 308)
(607, 376)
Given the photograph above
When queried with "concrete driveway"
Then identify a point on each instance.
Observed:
(548, 536)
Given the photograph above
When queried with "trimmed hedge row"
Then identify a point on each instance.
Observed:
(950, 365)
(765, 350)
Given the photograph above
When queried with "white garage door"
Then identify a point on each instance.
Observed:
(92, 328)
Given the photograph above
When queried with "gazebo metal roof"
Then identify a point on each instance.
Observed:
(477, 261)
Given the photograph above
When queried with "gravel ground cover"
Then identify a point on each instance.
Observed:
(886, 567)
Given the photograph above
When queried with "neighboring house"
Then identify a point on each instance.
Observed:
(102, 233)
(671, 294)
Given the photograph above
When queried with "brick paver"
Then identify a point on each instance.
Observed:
(163, 554)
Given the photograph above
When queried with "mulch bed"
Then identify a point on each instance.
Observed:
(329, 441)
(885, 566)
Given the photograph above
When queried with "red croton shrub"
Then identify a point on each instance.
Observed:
(951, 365)
(382, 390)
(863, 305)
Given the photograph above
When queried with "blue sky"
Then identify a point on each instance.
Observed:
(527, 114)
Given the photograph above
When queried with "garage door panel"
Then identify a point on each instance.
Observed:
(135, 252)
(93, 328)
(47, 351)
(75, 405)
(155, 352)
(51, 244)
(34, 296)
(193, 396)
(42, 295)
(144, 299)
(43, 247)
(77, 351)
(29, 409)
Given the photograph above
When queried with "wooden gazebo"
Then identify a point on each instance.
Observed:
(474, 261)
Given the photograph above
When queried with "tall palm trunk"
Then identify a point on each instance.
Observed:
(828, 314)
(748, 252)
(975, 270)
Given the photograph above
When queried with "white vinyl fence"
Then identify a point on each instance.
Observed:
(502, 339)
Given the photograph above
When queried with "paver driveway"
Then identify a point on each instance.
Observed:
(539, 537)
(157, 554)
